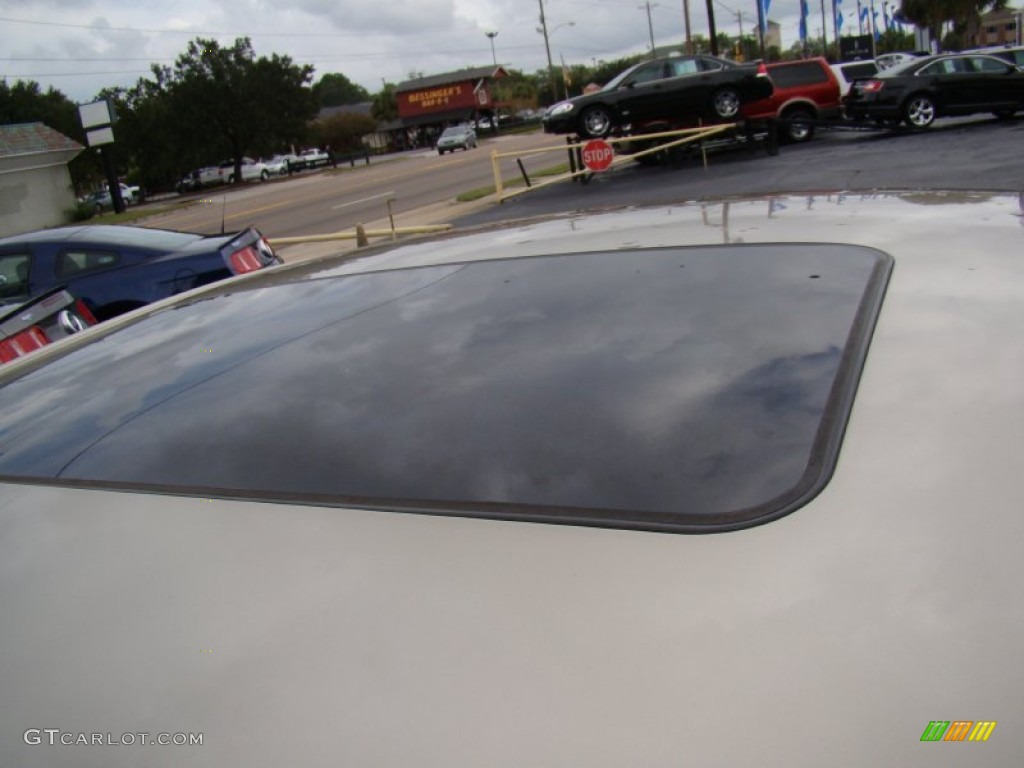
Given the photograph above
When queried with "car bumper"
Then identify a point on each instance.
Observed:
(560, 124)
(870, 110)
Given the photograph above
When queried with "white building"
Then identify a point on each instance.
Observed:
(35, 185)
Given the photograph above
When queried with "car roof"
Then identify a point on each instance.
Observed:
(844, 629)
(142, 237)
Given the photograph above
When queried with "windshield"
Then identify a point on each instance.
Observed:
(616, 81)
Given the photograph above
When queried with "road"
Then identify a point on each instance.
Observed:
(338, 199)
(963, 153)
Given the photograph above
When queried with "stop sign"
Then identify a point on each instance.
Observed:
(597, 155)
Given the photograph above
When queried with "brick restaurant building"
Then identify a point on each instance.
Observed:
(427, 105)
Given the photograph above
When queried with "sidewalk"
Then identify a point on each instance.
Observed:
(437, 213)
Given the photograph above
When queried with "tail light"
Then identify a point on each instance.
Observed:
(245, 260)
(22, 343)
(762, 70)
(83, 310)
(871, 86)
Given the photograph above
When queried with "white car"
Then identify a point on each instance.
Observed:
(730, 483)
(848, 71)
(311, 158)
(252, 170)
(101, 199)
(279, 164)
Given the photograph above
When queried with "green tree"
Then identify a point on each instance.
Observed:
(385, 104)
(933, 15)
(344, 132)
(235, 100)
(335, 90)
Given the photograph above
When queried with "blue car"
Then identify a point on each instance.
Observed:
(116, 269)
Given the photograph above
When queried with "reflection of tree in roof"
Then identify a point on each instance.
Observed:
(946, 197)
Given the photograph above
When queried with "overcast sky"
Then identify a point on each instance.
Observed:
(80, 46)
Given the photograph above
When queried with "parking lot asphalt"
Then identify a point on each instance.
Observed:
(963, 153)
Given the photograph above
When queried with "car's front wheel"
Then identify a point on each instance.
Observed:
(264, 175)
(595, 122)
(726, 103)
(919, 111)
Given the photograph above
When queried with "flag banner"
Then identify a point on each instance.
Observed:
(765, 5)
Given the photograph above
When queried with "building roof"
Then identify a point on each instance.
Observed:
(32, 138)
(459, 76)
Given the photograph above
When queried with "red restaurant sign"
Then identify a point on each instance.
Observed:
(441, 98)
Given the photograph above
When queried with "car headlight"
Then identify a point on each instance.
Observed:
(560, 109)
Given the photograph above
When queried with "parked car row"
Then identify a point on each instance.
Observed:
(253, 169)
(679, 91)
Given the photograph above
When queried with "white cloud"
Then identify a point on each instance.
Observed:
(80, 46)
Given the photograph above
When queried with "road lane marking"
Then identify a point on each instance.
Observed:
(364, 200)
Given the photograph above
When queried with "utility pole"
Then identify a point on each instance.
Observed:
(686, 23)
(711, 27)
(739, 40)
(547, 48)
(761, 26)
(650, 26)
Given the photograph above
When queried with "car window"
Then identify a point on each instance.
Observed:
(75, 262)
(946, 67)
(804, 73)
(648, 72)
(988, 64)
(710, 388)
(683, 67)
(711, 65)
(14, 273)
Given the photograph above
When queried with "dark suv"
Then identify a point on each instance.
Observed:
(804, 91)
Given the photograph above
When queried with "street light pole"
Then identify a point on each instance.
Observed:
(494, 56)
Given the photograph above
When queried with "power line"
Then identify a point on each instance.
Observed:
(96, 28)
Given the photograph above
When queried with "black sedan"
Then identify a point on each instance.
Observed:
(938, 86)
(663, 91)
